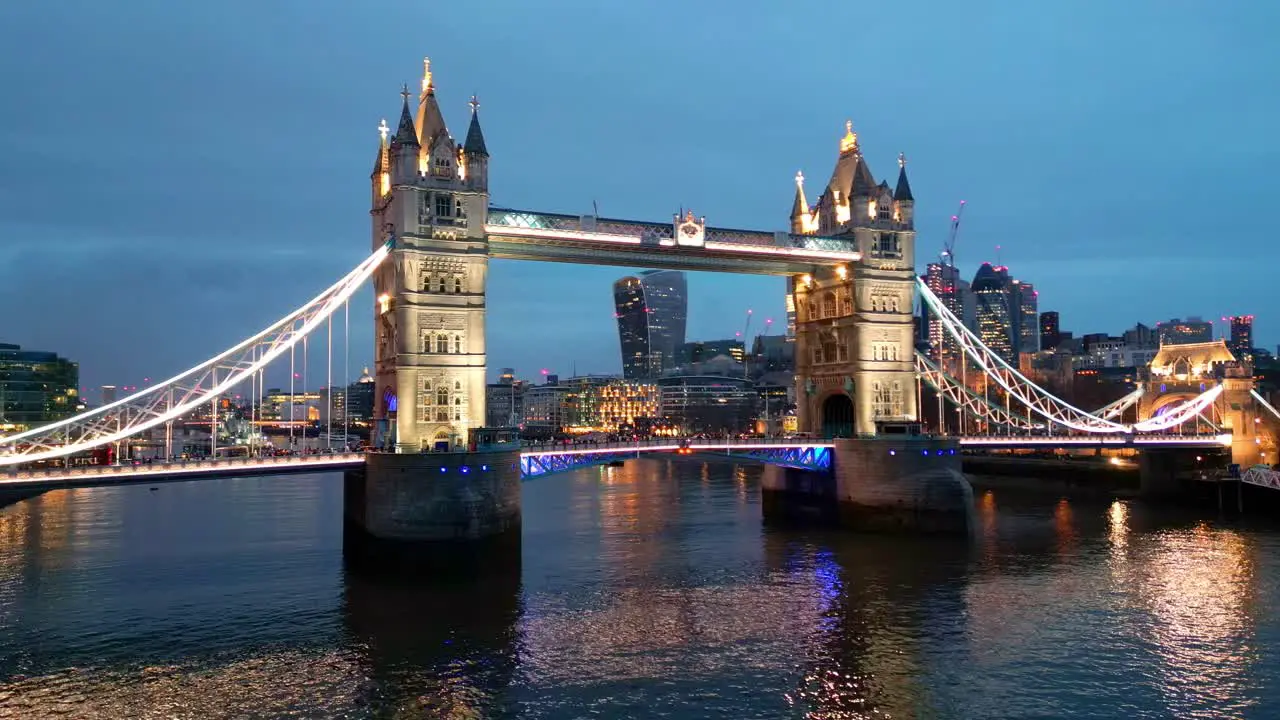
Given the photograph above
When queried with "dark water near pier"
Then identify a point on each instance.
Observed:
(650, 590)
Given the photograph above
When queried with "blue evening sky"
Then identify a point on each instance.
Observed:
(177, 174)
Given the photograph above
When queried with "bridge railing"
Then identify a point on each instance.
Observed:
(172, 466)
(673, 443)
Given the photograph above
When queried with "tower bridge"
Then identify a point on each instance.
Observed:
(848, 261)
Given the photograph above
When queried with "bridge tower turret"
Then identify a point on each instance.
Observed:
(429, 360)
(854, 325)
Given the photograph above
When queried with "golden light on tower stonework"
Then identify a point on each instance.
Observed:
(849, 143)
(384, 177)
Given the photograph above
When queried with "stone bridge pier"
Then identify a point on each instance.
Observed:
(887, 484)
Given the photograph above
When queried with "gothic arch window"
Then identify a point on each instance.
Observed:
(846, 302)
(441, 167)
(1181, 366)
(441, 346)
(457, 283)
(424, 281)
(460, 210)
(453, 344)
(875, 303)
(426, 342)
(457, 408)
(828, 304)
(893, 304)
(813, 310)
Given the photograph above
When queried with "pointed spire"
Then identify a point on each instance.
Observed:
(404, 131)
(903, 191)
(801, 205)
(430, 122)
(474, 144)
(427, 87)
(863, 183)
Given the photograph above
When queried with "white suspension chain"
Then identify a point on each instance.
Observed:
(179, 395)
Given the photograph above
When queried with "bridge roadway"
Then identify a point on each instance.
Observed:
(540, 459)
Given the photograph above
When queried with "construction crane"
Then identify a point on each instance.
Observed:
(949, 250)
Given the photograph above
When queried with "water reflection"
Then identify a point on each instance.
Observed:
(431, 647)
(648, 590)
(889, 605)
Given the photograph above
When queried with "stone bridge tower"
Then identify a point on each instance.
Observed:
(430, 196)
(1182, 372)
(854, 326)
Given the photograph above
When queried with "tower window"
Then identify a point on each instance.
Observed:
(459, 210)
(457, 283)
(441, 166)
(887, 245)
(442, 343)
(444, 205)
(829, 304)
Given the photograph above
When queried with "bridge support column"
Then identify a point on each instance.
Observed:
(444, 511)
(906, 484)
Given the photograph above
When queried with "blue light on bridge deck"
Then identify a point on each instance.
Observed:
(893, 452)
(442, 469)
(465, 469)
(484, 468)
(924, 453)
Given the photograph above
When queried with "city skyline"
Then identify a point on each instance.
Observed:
(146, 274)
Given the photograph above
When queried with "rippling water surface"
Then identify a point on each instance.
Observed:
(651, 590)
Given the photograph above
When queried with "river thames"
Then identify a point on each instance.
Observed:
(649, 590)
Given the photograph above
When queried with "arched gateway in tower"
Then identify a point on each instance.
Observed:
(848, 263)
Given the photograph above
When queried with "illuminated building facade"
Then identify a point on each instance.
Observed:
(1183, 332)
(991, 288)
(430, 195)
(36, 387)
(607, 403)
(1241, 343)
(853, 323)
(943, 281)
(651, 309)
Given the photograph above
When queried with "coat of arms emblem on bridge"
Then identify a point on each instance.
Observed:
(690, 231)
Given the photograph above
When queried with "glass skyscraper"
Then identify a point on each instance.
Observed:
(1024, 310)
(36, 387)
(651, 309)
(991, 288)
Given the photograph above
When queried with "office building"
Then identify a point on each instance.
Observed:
(945, 283)
(1183, 332)
(651, 309)
(108, 394)
(1241, 342)
(504, 400)
(703, 350)
(708, 404)
(36, 387)
(1024, 312)
(1049, 330)
(991, 287)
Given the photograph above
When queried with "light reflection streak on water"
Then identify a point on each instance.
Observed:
(1064, 527)
(1195, 587)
